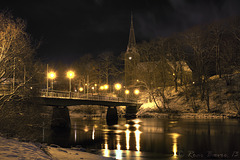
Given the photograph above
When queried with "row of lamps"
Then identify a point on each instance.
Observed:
(71, 75)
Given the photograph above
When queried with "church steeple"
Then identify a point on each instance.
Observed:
(131, 41)
(131, 58)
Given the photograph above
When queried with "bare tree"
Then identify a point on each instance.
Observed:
(16, 53)
(107, 66)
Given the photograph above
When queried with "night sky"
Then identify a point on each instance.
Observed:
(71, 28)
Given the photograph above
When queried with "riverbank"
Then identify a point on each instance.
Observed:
(14, 149)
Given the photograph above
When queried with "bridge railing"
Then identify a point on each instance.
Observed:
(77, 95)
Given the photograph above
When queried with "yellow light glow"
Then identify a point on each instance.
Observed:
(127, 139)
(51, 75)
(136, 91)
(95, 84)
(81, 89)
(92, 88)
(118, 151)
(106, 86)
(106, 150)
(137, 136)
(174, 149)
(127, 91)
(70, 74)
(86, 129)
(101, 87)
(93, 133)
(118, 86)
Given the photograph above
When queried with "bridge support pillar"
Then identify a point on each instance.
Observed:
(61, 118)
(131, 112)
(112, 116)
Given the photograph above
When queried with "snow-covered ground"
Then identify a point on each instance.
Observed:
(12, 149)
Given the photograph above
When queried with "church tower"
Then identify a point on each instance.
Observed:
(131, 58)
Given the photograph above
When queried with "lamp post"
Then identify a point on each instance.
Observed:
(52, 76)
(70, 75)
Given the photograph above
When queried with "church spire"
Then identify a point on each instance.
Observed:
(131, 41)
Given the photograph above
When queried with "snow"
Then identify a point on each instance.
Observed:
(12, 149)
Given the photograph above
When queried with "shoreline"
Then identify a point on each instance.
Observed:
(166, 115)
(13, 148)
(188, 115)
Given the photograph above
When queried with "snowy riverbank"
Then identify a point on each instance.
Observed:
(11, 149)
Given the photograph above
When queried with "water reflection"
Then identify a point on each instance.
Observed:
(93, 133)
(150, 138)
(122, 138)
(127, 138)
(118, 151)
(174, 147)
(106, 150)
(75, 132)
(137, 136)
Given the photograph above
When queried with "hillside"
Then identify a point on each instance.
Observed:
(224, 98)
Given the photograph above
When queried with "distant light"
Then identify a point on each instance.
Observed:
(86, 84)
(95, 84)
(137, 80)
(101, 87)
(129, 58)
(92, 88)
(106, 86)
(31, 87)
(127, 91)
(81, 89)
(118, 86)
(136, 91)
(193, 82)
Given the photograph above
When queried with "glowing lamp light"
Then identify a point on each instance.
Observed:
(51, 75)
(136, 91)
(101, 88)
(92, 88)
(118, 86)
(81, 89)
(106, 86)
(127, 91)
(70, 74)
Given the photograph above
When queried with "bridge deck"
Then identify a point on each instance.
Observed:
(71, 99)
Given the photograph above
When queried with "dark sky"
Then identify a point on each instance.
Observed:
(71, 28)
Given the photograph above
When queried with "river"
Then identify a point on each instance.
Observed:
(150, 138)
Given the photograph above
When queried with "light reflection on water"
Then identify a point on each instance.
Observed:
(151, 138)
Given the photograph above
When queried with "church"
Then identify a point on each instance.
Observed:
(133, 66)
(131, 58)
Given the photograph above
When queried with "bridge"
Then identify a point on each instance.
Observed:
(60, 100)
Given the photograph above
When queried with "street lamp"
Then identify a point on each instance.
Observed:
(101, 88)
(52, 76)
(118, 86)
(136, 91)
(81, 89)
(105, 86)
(126, 93)
(70, 75)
